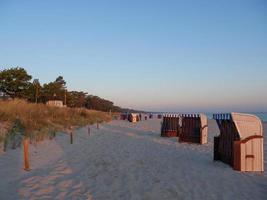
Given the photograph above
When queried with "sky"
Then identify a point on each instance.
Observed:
(157, 55)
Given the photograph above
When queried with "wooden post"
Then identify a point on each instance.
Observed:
(89, 130)
(36, 85)
(36, 94)
(26, 154)
(97, 125)
(65, 97)
(71, 137)
(5, 143)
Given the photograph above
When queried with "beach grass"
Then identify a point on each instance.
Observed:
(39, 121)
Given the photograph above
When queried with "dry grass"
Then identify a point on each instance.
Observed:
(38, 120)
(4, 126)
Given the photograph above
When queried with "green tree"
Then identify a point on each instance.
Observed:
(60, 80)
(15, 82)
(97, 103)
(76, 99)
(33, 92)
(37, 88)
(54, 90)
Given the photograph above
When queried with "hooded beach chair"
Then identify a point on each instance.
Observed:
(133, 117)
(240, 143)
(170, 125)
(123, 116)
(194, 128)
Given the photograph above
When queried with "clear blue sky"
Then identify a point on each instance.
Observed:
(167, 55)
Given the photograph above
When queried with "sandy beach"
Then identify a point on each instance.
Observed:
(123, 160)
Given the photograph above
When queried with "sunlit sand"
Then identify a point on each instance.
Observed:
(125, 160)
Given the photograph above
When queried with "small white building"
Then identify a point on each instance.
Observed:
(56, 103)
(4, 96)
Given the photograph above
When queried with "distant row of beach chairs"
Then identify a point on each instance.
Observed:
(240, 143)
(136, 117)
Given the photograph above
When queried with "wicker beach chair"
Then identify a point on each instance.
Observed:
(194, 128)
(170, 125)
(240, 143)
(133, 117)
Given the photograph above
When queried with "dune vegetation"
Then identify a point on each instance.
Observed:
(38, 121)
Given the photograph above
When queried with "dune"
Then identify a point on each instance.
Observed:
(123, 160)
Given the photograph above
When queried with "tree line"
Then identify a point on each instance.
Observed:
(17, 83)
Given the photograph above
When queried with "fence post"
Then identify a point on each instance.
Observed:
(5, 143)
(26, 154)
(71, 137)
(89, 130)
